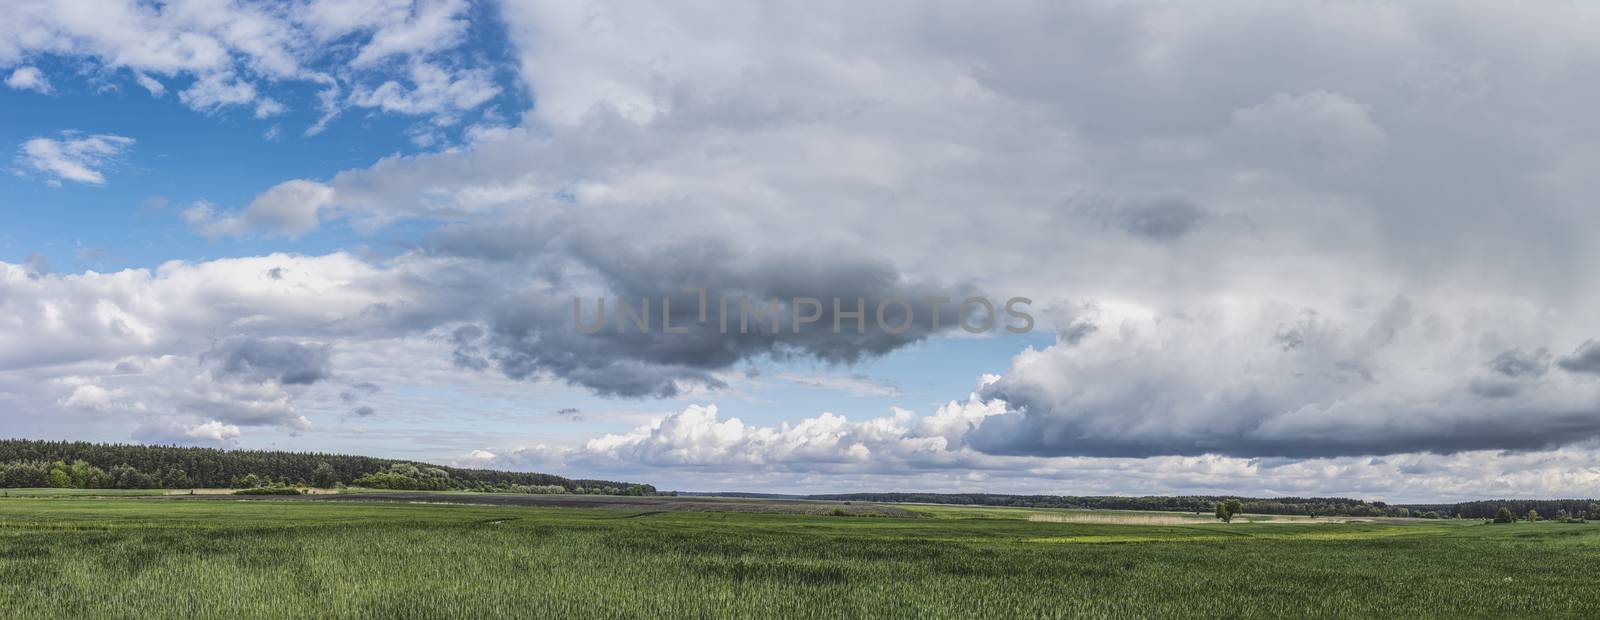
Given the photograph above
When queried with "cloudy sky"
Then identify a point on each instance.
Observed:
(1296, 248)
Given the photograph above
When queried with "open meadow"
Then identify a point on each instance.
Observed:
(192, 556)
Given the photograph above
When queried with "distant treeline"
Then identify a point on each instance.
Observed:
(1487, 509)
(1310, 506)
(76, 464)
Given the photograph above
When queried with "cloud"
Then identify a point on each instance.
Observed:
(214, 91)
(151, 84)
(93, 397)
(289, 209)
(359, 391)
(1151, 219)
(269, 107)
(700, 447)
(1281, 269)
(1321, 126)
(72, 158)
(1217, 380)
(363, 411)
(234, 51)
(210, 433)
(269, 359)
(1584, 359)
(434, 90)
(29, 78)
(1516, 363)
(854, 385)
(529, 338)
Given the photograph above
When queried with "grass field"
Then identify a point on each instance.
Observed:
(185, 557)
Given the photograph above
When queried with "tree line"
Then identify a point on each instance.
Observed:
(1198, 504)
(77, 464)
(1490, 509)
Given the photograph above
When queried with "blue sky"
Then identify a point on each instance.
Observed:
(1255, 268)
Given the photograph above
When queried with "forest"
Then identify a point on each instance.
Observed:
(76, 464)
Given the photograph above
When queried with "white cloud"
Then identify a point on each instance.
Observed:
(93, 397)
(151, 84)
(435, 26)
(289, 209)
(235, 51)
(188, 431)
(268, 107)
(434, 90)
(213, 431)
(217, 90)
(29, 78)
(73, 158)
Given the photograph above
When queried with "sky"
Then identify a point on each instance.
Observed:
(1269, 248)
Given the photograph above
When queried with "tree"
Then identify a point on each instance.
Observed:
(1504, 516)
(1533, 515)
(1563, 516)
(323, 477)
(59, 478)
(1226, 510)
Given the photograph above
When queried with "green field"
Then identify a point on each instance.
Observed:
(166, 557)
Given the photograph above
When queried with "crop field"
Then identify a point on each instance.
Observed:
(453, 556)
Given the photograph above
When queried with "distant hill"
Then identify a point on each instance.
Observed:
(28, 463)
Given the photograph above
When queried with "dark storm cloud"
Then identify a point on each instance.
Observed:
(1351, 387)
(534, 335)
(269, 360)
(1154, 219)
(1035, 429)
(1516, 363)
(1585, 359)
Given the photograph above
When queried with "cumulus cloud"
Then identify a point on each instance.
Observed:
(73, 158)
(93, 397)
(1218, 379)
(209, 434)
(29, 78)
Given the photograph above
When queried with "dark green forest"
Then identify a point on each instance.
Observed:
(77, 464)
